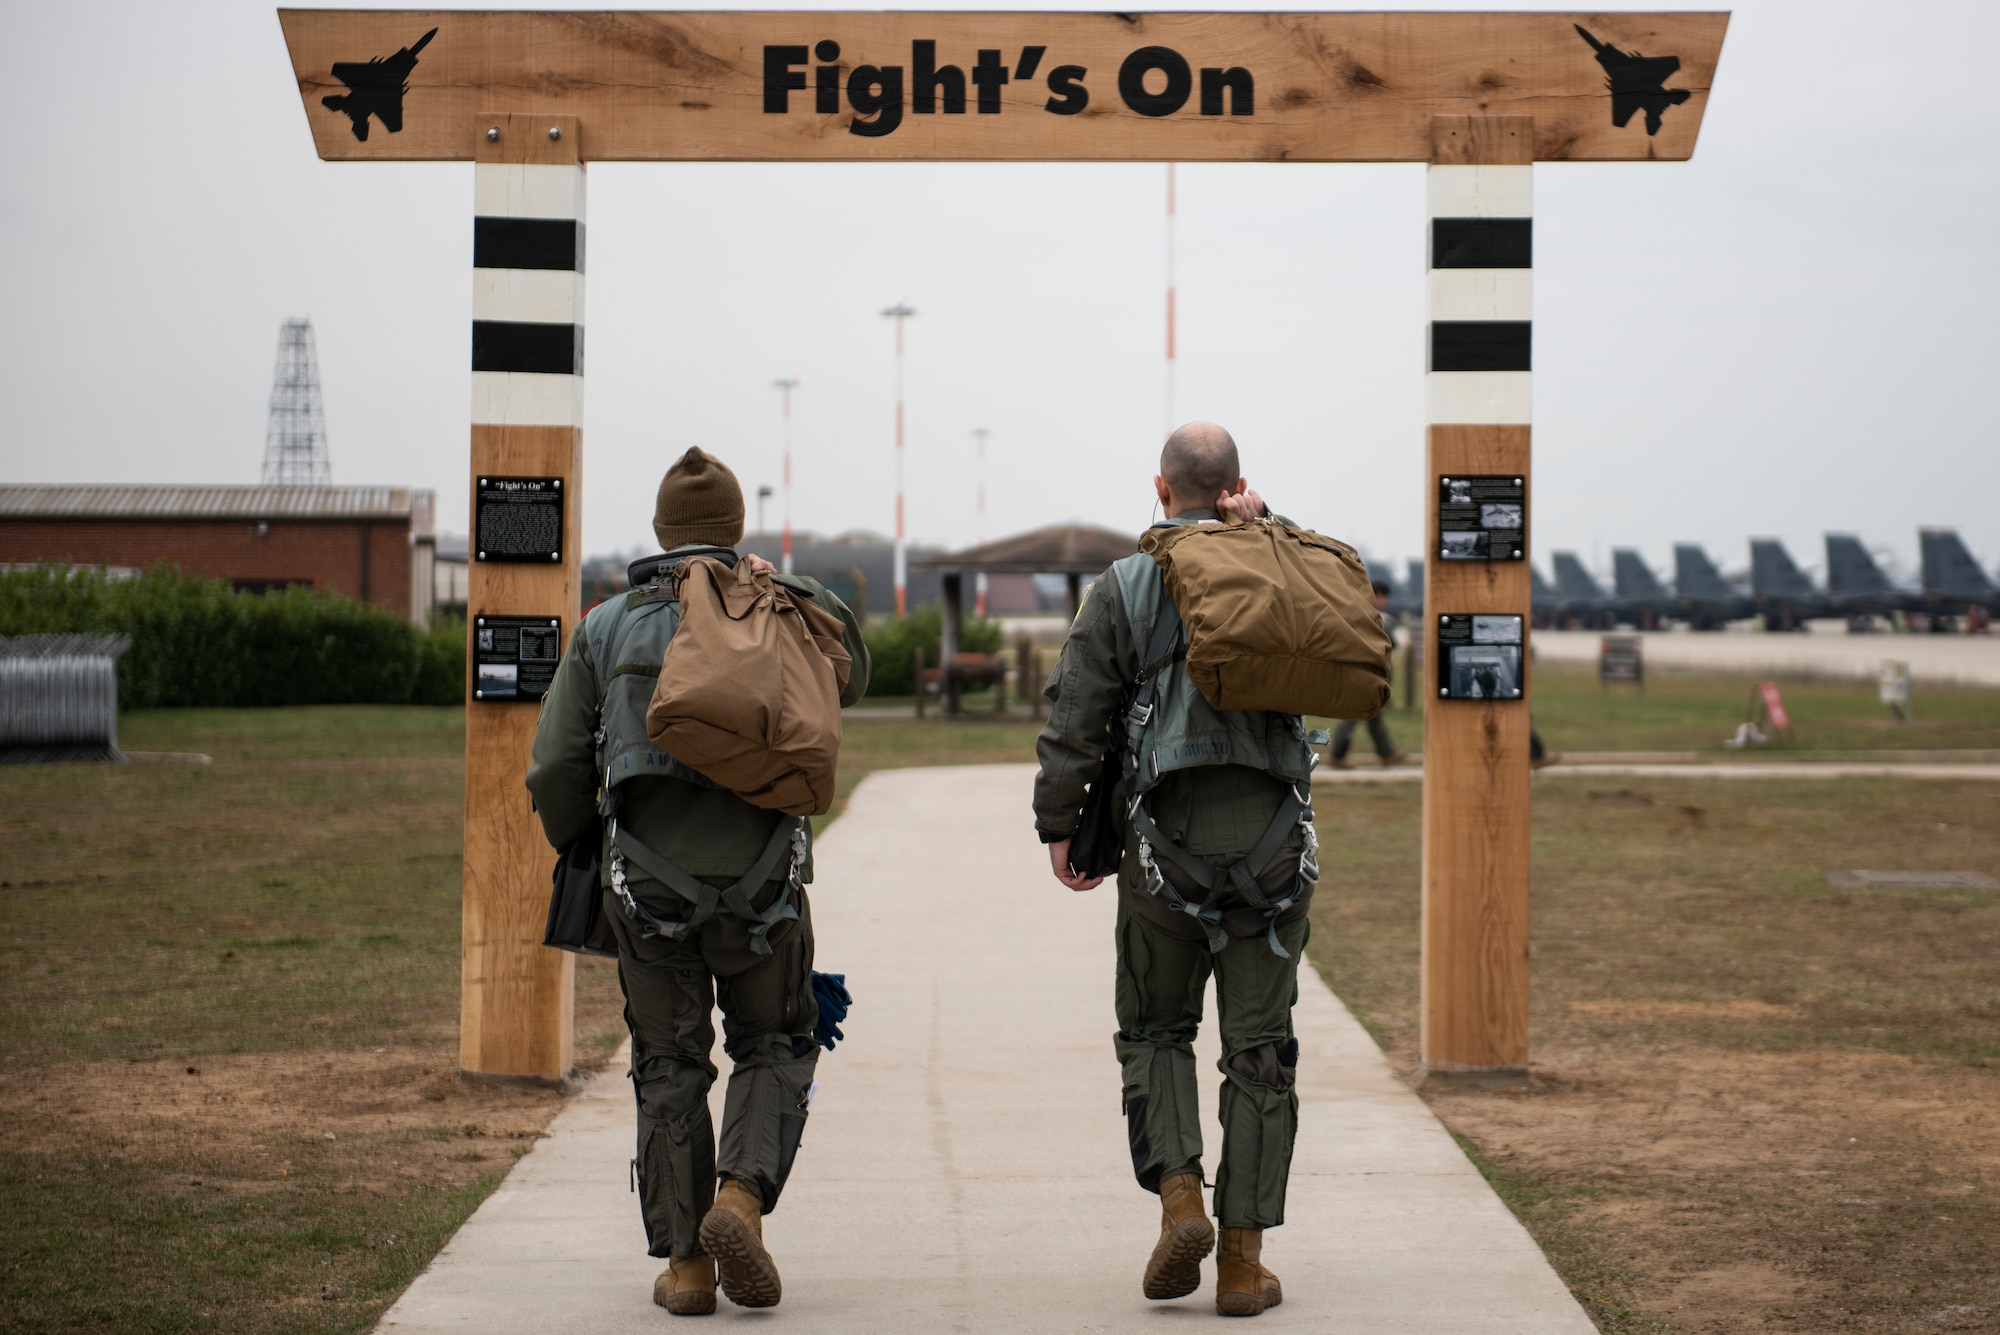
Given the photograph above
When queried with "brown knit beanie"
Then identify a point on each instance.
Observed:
(699, 502)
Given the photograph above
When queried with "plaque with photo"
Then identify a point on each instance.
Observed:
(518, 519)
(514, 658)
(1479, 657)
(1482, 518)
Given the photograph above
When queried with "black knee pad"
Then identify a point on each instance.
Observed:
(1273, 1065)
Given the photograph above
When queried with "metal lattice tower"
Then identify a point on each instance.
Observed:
(295, 442)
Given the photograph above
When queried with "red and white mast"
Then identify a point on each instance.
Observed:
(900, 312)
(786, 387)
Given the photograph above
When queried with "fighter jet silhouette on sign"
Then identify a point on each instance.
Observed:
(376, 88)
(1637, 83)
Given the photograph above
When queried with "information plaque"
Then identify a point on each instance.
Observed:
(518, 519)
(514, 658)
(1482, 518)
(1479, 657)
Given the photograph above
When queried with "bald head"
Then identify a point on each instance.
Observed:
(1198, 464)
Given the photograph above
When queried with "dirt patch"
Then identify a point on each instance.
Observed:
(1681, 1010)
(383, 1122)
(1756, 1191)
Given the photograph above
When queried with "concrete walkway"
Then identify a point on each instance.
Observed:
(965, 1168)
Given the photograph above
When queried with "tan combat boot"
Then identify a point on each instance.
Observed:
(1243, 1287)
(733, 1233)
(1174, 1270)
(687, 1286)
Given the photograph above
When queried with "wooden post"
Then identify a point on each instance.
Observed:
(1475, 861)
(517, 998)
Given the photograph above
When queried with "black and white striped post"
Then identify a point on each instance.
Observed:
(1475, 862)
(527, 423)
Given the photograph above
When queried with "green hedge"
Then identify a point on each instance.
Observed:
(892, 645)
(199, 642)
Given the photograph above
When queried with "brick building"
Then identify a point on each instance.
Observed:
(374, 544)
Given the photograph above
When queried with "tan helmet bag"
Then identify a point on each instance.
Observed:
(749, 689)
(1278, 618)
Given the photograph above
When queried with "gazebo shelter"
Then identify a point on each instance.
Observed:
(1074, 551)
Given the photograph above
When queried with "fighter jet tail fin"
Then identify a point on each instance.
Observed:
(1633, 578)
(1695, 575)
(1850, 570)
(1950, 571)
(1573, 582)
(1773, 573)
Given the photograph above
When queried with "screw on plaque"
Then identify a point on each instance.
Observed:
(493, 135)
(555, 132)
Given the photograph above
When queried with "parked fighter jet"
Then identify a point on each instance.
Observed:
(1954, 581)
(1702, 597)
(1856, 586)
(1781, 590)
(1581, 602)
(1642, 599)
(1541, 600)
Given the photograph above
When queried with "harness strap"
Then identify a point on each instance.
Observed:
(1161, 653)
(1240, 875)
(705, 897)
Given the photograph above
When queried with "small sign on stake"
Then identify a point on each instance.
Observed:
(1896, 688)
(1765, 700)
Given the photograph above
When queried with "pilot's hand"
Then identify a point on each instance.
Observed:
(1242, 508)
(758, 565)
(1059, 864)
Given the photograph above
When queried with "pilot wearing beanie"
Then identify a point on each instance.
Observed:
(699, 502)
(715, 873)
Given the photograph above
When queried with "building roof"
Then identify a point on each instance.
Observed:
(172, 501)
(1059, 549)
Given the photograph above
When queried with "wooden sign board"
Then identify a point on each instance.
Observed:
(1231, 87)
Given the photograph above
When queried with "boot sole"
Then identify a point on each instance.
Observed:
(748, 1275)
(688, 1304)
(1240, 1304)
(1174, 1271)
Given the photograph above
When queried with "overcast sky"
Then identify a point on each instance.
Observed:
(1789, 334)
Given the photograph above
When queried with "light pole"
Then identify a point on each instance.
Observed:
(786, 387)
(979, 435)
(900, 312)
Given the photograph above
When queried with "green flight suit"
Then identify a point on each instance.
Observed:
(671, 987)
(1163, 958)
